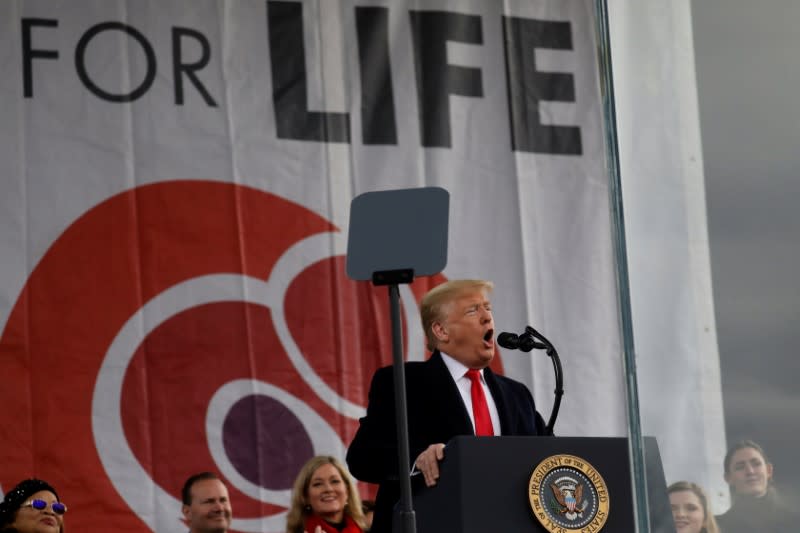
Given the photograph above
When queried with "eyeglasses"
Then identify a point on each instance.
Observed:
(40, 505)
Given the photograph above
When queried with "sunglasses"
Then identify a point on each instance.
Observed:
(40, 505)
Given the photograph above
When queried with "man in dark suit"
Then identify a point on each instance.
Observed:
(459, 328)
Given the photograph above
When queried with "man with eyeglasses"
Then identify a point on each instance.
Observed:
(206, 505)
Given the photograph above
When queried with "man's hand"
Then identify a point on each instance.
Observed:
(428, 463)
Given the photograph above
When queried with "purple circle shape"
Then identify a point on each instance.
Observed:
(265, 442)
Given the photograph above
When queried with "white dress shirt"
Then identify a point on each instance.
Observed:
(459, 373)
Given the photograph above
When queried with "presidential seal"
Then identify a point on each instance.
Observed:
(568, 495)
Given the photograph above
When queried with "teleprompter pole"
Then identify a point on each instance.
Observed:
(394, 236)
(407, 518)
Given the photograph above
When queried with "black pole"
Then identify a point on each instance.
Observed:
(407, 518)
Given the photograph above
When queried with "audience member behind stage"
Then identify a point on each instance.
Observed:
(755, 504)
(459, 328)
(690, 509)
(206, 504)
(324, 499)
(32, 506)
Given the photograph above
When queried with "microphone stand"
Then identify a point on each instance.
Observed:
(526, 344)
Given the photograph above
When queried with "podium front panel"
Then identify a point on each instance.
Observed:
(484, 484)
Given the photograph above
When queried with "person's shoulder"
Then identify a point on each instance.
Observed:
(386, 373)
(408, 366)
(510, 382)
(513, 388)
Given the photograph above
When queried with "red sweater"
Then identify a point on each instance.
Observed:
(313, 521)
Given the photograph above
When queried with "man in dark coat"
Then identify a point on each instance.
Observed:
(459, 328)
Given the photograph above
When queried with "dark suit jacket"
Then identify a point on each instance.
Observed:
(436, 413)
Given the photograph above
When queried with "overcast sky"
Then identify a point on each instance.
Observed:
(748, 72)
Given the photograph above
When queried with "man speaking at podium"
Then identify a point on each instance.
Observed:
(452, 393)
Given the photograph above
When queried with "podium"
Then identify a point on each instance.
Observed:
(485, 485)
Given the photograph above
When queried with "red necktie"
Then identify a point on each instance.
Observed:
(480, 409)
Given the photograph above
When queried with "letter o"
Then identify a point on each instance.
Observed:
(80, 64)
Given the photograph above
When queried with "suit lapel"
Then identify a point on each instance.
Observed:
(447, 398)
(500, 400)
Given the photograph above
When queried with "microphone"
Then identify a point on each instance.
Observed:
(523, 343)
(526, 342)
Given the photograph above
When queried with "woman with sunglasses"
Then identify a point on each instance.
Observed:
(32, 507)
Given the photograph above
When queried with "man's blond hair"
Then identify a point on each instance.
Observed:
(434, 305)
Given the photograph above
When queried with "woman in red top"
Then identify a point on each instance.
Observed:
(324, 499)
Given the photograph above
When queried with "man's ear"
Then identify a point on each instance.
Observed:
(185, 511)
(769, 471)
(440, 331)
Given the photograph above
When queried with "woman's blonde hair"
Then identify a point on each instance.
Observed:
(300, 510)
(709, 522)
(434, 305)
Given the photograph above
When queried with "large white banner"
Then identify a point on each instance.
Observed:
(175, 181)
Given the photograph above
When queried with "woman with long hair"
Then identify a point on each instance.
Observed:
(324, 499)
(690, 509)
(755, 504)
